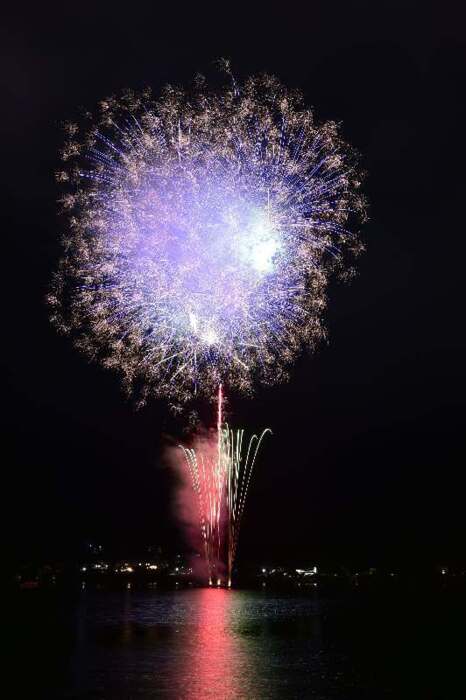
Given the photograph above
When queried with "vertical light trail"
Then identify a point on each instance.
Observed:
(220, 460)
(239, 471)
(221, 473)
(219, 412)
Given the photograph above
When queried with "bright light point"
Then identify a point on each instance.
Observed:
(209, 336)
(259, 244)
(193, 321)
(262, 254)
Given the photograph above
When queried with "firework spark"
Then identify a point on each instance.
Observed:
(238, 465)
(221, 472)
(203, 227)
(208, 479)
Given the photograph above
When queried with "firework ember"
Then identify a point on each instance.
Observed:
(203, 227)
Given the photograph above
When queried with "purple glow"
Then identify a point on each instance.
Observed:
(203, 228)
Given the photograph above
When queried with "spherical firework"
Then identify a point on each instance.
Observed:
(202, 230)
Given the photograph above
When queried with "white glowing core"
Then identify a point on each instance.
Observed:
(263, 244)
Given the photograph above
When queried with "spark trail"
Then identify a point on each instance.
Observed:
(238, 465)
(221, 472)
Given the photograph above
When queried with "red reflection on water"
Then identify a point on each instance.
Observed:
(217, 662)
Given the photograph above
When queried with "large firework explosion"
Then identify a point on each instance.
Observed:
(202, 229)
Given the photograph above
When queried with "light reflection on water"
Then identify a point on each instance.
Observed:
(204, 643)
(216, 659)
(213, 643)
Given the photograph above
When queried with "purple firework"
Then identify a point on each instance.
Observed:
(203, 226)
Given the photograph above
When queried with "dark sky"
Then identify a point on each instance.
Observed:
(367, 459)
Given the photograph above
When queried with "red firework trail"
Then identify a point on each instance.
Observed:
(221, 472)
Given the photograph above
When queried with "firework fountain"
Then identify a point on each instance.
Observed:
(202, 229)
(239, 468)
(221, 473)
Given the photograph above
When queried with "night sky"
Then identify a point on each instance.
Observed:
(367, 463)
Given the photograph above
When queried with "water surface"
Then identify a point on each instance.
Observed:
(208, 643)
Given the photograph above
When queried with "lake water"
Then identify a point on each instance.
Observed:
(208, 643)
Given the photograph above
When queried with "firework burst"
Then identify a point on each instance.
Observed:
(202, 230)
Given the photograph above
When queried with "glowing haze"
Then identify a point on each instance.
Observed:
(203, 226)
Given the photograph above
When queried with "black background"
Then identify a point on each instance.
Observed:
(366, 465)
